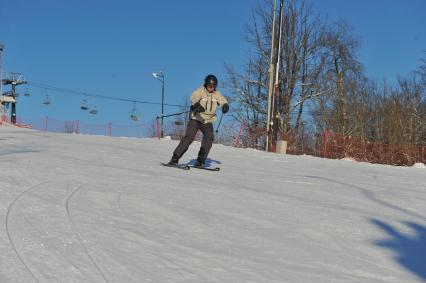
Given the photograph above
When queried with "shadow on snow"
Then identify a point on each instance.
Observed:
(410, 250)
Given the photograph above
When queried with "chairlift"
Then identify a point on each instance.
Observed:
(84, 105)
(134, 117)
(46, 101)
(46, 98)
(26, 93)
(134, 114)
(93, 111)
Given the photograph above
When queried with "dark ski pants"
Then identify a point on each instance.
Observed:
(191, 131)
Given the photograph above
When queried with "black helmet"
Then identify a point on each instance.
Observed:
(210, 79)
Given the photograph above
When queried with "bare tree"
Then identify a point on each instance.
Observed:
(322, 76)
(302, 65)
(341, 75)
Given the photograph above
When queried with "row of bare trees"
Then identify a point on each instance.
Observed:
(322, 83)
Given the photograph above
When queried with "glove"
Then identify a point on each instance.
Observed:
(197, 108)
(225, 108)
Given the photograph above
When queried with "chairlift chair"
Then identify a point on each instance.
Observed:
(84, 105)
(134, 114)
(134, 117)
(93, 111)
(46, 100)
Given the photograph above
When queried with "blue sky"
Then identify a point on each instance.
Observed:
(111, 48)
(392, 33)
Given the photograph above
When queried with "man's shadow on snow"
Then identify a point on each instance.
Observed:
(410, 250)
(209, 162)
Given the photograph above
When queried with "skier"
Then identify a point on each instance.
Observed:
(204, 102)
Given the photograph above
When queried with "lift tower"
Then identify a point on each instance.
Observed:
(14, 80)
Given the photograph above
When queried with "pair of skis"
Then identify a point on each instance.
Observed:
(187, 167)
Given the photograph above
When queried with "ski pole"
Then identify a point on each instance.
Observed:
(175, 114)
(220, 121)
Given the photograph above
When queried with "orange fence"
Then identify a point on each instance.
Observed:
(395, 154)
(329, 145)
(139, 130)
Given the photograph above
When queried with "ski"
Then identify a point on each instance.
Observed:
(187, 167)
(183, 167)
(206, 168)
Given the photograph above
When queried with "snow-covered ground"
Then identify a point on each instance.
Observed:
(78, 208)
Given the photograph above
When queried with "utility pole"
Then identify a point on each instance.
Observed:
(272, 61)
(14, 80)
(274, 121)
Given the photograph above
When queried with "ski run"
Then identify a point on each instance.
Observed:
(79, 208)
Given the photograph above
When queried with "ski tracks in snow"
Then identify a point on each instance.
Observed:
(12, 243)
(77, 234)
(74, 229)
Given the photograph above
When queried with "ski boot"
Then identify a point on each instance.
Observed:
(174, 161)
(199, 163)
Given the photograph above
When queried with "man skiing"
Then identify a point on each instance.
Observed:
(204, 100)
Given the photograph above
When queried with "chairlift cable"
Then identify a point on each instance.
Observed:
(86, 94)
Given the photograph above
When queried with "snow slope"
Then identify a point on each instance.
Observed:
(78, 208)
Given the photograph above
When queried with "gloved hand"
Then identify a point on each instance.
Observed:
(197, 108)
(225, 108)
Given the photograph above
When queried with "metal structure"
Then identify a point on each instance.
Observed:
(14, 80)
